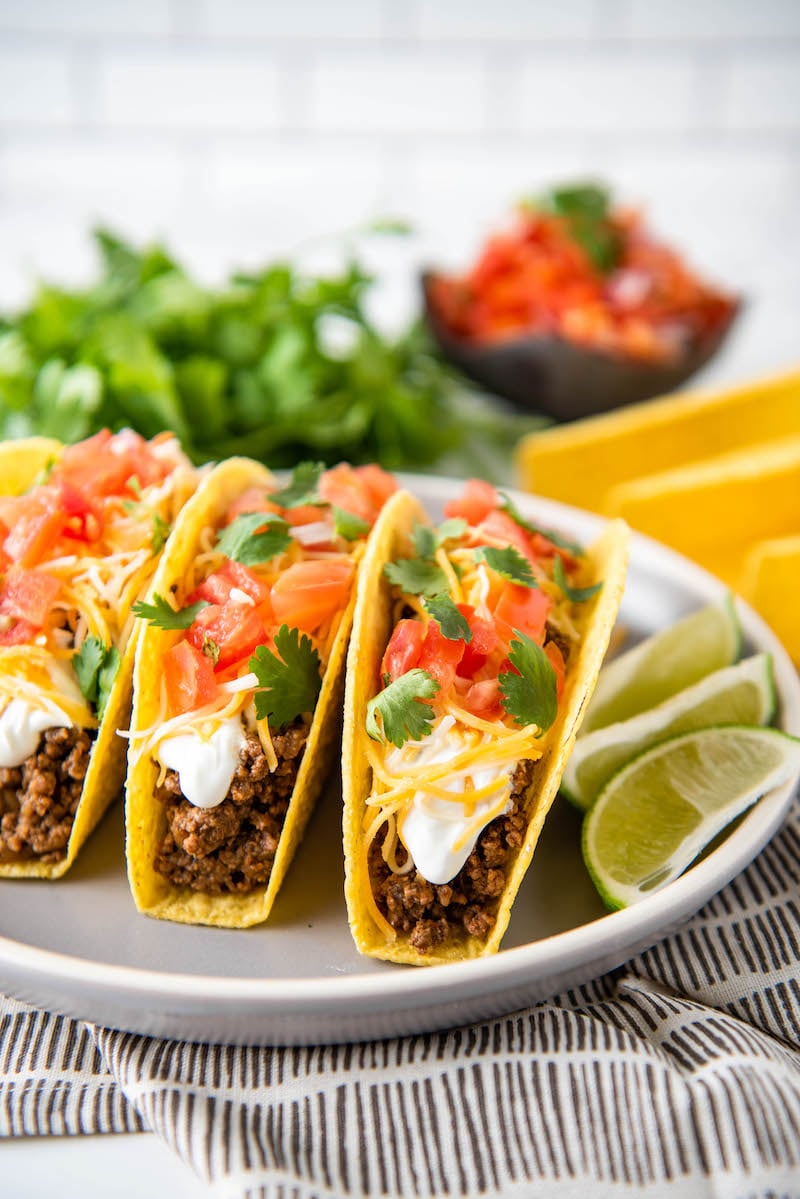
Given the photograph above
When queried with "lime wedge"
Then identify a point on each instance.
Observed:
(741, 694)
(664, 664)
(654, 817)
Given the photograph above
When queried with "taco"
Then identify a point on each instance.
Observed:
(238, 685)
(82, 529)
(475, 648)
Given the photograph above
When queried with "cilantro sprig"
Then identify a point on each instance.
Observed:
(454, 625)
(576, 594)
(96, 666)
(508, 562)
(242, 541)
(302, 487)
(348, 525)
(528, 691)
(401, 712)
(162, 614)
(289, 677)
(508, 505)
(416, 576)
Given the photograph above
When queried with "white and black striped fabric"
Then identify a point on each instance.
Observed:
(678, 1074)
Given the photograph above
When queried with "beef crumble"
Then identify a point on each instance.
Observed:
(38, 799)
(433, 914)
(231, 847)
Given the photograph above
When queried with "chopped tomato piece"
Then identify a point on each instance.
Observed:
(29, 595)
(188, 677)
(110, 464)
(500, 526)
(523, 608)
(217, 587)
(235, 629)
(307, 594)
(484, 641)
(478, 500)
(252, 499)
(360, 490)
(440, 656)
(557, 661)
(35, 527)
(483, 699)
(83, 519)
(14, 631)
(402, 652)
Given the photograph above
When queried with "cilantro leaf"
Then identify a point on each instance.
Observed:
(241, 542)
(454, 625)
(423, 540)
(162, 614)
(508, 505)
(507, 562)
(529, 696)
(96, 666)
(401, 712)
(576, 594)
(348, 525)
(302, 489)
(449, 530)
(289, 679)
(161, 531)
(416, 576)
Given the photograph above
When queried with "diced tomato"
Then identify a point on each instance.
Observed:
(83, 519)
(35, 527)
(188, 677)
(483, 699)
(484, 641)
(16, 632)
(235, 629)
(501, 527)
(557, 661)
(440, 656)
(28, 595)
(360, 490)
(217, 587)
(402, 652)
(307, 594)
(523, 608)
(305, 514)
(107, 463)
(252, 499)
(478, 500)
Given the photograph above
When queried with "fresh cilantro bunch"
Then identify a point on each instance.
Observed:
(239, 369)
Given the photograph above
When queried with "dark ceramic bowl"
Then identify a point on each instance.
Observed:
(563, 379)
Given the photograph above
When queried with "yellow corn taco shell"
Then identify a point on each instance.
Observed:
(146, 822)
(21, 463)
(607, 559)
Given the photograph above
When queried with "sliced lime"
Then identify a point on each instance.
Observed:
(664, 664)
(654, 817)
(741, 694)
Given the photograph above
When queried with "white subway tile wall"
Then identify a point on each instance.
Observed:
(242, 129)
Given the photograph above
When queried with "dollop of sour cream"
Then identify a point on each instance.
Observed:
(433, 830)
(204, 765)
(21, 726)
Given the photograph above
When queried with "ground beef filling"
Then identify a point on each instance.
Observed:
(38, 799)
(434, 914)
(231, 848)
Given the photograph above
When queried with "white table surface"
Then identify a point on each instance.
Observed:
(98, 1167)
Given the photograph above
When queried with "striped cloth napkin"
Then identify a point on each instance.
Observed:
(677, 1074)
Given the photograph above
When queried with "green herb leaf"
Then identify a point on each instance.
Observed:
(349, 526)
(96, 666)
(242, 542)
(508, 505)
(401, 712)
(450, 530)
(161, 531)
(289, 678)
(210, 649)
(576, 594)
(529, 697)
(302, 489)
(416, 577)
(423, 540)
(507, 562)
(454, 625)
(162, 614)
(587, 210)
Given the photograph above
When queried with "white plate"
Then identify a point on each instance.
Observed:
(78, 945)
